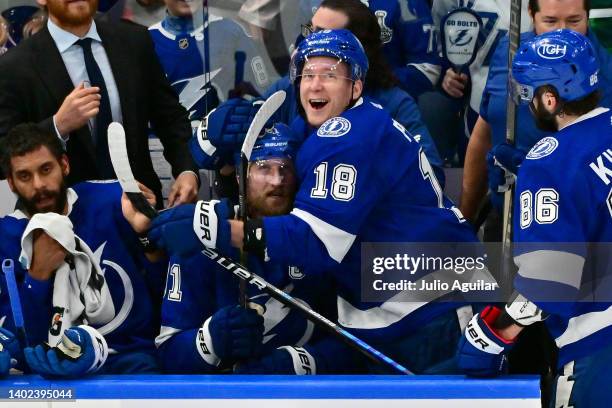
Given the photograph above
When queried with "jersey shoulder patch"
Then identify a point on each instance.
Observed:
(543, 148)
(334, 127)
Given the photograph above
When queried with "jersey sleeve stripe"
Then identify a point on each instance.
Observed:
(430, 71)
(556, 266)
(336, 241)
(165, 332)
(582, 326)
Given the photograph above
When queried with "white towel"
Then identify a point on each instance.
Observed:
(80, 292)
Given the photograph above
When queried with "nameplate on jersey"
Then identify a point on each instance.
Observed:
(334, 127)
(460, 37)
(543, 148)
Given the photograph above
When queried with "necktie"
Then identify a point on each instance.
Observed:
(104, 117)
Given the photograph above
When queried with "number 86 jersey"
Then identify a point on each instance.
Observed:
(563, 231)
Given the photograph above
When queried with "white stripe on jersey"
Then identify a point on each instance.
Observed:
(582, 326)
(555, 266)
(336, 241)
(403, 303)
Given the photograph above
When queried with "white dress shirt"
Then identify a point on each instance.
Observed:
(72, 55)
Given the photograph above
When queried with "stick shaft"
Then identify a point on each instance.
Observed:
(8, 268)
(319, 320)
(507, 265)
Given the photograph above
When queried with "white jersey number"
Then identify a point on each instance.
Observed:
(344, 178)
(544, 209)
(175, 294)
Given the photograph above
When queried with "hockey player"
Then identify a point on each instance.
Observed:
(562, 224)
(226, 126)
(36, 166)
(489, 131)
(203, 328)
(362, 178)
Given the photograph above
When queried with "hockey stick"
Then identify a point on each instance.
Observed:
(239, 59)
(507, 264)
(8, 268)
(116, 137)
(265, 112)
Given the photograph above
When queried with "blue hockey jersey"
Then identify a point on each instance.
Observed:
(563, 229)
(232, 52)
(494, 98)
(363, 179)
(95, 212)
(197, 287)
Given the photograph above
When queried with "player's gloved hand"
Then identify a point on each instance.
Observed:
(232, 333)
(503, 162)
(183, 230)
(283, 360)
(226, 126)
(10, 351)
(81, 350)
(481, 351)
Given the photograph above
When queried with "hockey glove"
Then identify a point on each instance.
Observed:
(184, 229)
(232, 333)
(226, 126)
(10, 351)
(481, 351)
(283, 360)
(205, 155)
(81, 350)
(503, 162)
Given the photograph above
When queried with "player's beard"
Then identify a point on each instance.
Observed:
(259, 205)
(68, 16)
(544, 120)
(58, 197)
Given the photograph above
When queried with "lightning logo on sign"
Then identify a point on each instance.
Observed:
(461, 38)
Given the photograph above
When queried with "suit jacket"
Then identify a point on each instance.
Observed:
(34, 83)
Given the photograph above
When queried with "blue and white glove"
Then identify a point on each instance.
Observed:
(183, 230)
(232, 333)
(283, 360)
(503, 162)
(10, 351)
(226, 126)
(81, 350)
(481, 351)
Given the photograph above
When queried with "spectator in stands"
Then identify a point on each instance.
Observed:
(459, 101)
(46, 80)
(407, 36)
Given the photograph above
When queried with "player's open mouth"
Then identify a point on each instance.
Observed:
(317, 104)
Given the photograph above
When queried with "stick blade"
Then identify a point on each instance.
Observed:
(121, 164)
(269, 107)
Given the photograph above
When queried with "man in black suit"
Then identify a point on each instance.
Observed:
(77, 75)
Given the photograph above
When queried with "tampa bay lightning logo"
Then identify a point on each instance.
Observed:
(462, 38)
(543, 148)
(128, 294)
(334, 127)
